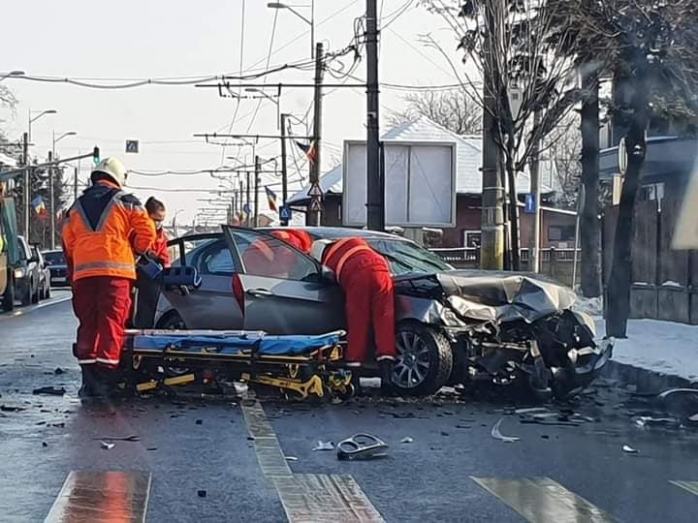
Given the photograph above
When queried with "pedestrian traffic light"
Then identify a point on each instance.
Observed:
(95, 155)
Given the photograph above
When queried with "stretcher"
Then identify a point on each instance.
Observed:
(301, 366)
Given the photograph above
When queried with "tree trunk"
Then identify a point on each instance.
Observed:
(620, 280)
(513, 215)
(590, 234)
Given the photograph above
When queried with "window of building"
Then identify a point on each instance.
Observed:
(561, 233)
(472, 239)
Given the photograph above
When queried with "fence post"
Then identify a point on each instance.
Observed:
(553, 263)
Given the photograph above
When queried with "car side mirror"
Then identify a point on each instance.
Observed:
(328, 274)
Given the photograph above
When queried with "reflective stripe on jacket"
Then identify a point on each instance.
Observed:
(97, 231)
(337, 254)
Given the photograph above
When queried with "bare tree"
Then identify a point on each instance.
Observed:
(453, 109)
(508, 42)
(565, 152)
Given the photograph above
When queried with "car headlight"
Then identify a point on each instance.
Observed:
(19, 273)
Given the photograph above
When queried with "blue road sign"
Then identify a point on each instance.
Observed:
(530, 204)
(285, 213)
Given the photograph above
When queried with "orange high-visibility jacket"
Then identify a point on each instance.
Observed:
(96, 233)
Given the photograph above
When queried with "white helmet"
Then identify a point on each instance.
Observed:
(112, 168)
(317, 249)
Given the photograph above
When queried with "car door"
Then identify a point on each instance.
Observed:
(213, 305)
(284, 292)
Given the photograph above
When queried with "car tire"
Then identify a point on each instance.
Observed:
(8, 298)
(430, 360)
(28, 295)
(47, 293)
(36, 297)
(171, 321)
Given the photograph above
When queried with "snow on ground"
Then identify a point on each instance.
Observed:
(592, 306)
(659, 346)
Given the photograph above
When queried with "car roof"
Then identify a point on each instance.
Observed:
(339, 232)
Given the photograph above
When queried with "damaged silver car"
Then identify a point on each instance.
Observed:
(452, 327)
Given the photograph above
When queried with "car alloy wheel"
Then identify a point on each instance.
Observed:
(412, 364)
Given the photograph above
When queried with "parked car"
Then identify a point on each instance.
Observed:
(57, 265)
(27, 274)
(44, 274)
(452, 326)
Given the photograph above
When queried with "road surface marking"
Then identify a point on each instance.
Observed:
(542, 500)
(101, 497)
(306, 498)
(690, 486)
(31, 308)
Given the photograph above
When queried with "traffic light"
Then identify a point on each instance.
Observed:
(95, 155)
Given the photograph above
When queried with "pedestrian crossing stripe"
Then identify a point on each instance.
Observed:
(690, 486)
(542, 500)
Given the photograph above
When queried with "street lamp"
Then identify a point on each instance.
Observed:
(27, 172)
(50, 185)
(311, 22)
(11, 73)
(32, 120)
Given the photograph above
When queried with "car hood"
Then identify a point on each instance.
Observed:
(491, 296)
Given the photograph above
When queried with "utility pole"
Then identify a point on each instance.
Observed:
(256, 191)
(26, 210)
(492, 228)
(247, 199)
(242, 194)
(534, 166)
(315, 192)
(374, 187)
(51, 197)
(75, 185)
(284, 172)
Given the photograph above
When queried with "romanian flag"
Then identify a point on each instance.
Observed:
(39, 206)
(271, 198)
(309, 150)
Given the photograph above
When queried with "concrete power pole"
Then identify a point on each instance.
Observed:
(52, 202)
(75, 185)
(26, 209)
(256, 191)
(247, 200)
(315, 192)
(534, 166)
(375, 214)
(284, 170)
(492, 228)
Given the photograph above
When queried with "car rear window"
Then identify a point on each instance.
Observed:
(54, 258)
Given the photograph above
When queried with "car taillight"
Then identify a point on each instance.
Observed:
(239, 293)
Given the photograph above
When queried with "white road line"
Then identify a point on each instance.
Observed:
(688, 486)
(542, 500)
(316, 498)
(102, 496)
(20, 312)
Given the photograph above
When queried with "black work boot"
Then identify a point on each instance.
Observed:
(87, 389)
(386, 374)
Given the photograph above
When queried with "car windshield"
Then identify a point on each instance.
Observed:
(406, 257)
(54, 258)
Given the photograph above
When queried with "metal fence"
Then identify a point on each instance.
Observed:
(556, 263)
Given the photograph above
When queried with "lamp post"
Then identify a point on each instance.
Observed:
(311, 22)
(28, 171)
(52, 206)
(11, 73)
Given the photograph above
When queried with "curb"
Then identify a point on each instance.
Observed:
(644, 380)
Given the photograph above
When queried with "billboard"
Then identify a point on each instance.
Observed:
(420, 184)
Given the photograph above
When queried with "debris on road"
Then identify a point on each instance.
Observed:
(199, 422)
(152, 448)
(361, 447)
(498, 435)
(50, 391)
(201, 493)
(531, 410)
(324, 445)
(693, 418)
(44, 444)
(290, 458)
(407, 440)
(443, 433)
(107, 446)
(132, 438)
(58, 371)
(629, 449)
(11, 408)
(649, 421)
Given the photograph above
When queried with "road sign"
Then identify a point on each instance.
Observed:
(285, 213)
(132, 146)
(314, 190)
(315, 205)
(530, 204)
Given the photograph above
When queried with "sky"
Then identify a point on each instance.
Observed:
(111, 42)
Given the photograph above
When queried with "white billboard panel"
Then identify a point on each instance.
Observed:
(420, 184)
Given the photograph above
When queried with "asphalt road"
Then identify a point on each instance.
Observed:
(253, 460)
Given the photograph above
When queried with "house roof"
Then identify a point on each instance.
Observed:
(7, 161)
(469, 161)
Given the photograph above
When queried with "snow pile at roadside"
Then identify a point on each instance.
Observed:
(659, 346)
(592, 306)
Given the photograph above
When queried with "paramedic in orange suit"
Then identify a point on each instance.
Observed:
(365, 277)
(102, 268)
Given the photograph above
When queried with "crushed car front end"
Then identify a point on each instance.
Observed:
(505, 328)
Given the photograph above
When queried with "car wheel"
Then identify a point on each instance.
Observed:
(171, 321)
(27, 298)
(424, 360)
(8, 298)
(47, 293)
(36, 297)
